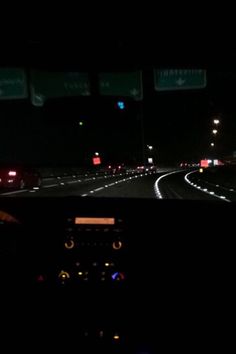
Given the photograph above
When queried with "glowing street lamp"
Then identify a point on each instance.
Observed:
(216, 121)
(214, 131)
(212, 144)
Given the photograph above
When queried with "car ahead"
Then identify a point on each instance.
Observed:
(146, 168)
(19, 177)
(116, 169)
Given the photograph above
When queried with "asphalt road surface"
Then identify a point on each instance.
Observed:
(165, 183)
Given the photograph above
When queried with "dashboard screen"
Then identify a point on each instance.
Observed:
(94, 221)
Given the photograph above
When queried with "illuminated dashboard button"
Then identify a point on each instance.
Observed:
(69, 244)
(40, 278)
(118, 276)
(116, 245)
(64, 275)
(101, 334)
(116, 337)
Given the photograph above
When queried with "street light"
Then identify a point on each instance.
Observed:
(216, 121)
(150, 147)
(96, 154)
(212, 144)
(214, 131)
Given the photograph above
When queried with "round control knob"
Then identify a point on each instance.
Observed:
(63, 275)
(117, 245)
(69, 244)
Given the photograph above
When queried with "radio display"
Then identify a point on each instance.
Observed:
(94, 221)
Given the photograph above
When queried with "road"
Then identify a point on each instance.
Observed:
(165, 183)
(185, 185)
(130, 184)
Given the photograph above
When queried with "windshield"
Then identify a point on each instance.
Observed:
(164, 133)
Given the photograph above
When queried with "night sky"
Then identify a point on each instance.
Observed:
(177, 124)
(182, 120)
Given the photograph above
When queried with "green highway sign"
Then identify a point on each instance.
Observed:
(121, 84)
(44, 85)
(13, 83)
(177, 79)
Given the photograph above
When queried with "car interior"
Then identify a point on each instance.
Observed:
(116, 275)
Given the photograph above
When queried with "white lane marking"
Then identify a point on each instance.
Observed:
(98, 189)
(84, 195)
(222, 187)
(203, 189)
(50, 185)
(156, 185)
(15, 192)
(112, 184)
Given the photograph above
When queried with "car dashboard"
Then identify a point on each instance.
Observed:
(123, 275)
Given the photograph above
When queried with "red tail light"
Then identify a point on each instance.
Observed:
(12, 173)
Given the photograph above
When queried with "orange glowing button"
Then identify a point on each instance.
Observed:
(94, 221)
